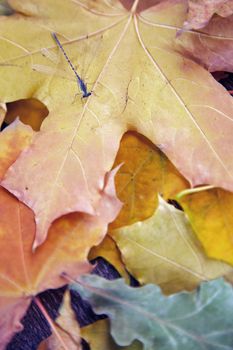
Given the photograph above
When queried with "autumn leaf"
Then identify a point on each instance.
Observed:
(24, 274)
(66, 330)
(98, 337)
(171, 102)
(214, 55)
(164, 250)
(201, 11)
(185, 321)
(108, 250)
(12, 141)
(211, 216)
(30, 111)
(145, 171)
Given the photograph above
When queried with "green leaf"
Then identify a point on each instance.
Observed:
(185, 321)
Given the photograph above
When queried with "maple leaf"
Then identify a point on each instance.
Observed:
(201, 11)
(144, 173)
(183, 321)
(164, 250)
(23, 274)
(171, 101)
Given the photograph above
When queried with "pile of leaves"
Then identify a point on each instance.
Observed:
(139, 173)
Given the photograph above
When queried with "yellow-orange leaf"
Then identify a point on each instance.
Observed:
(144, 173)
(108, 250)
(211, 216)
(31, 112)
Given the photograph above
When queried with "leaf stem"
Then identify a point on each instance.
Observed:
(193, 190)
(134, 7)
(50, 321)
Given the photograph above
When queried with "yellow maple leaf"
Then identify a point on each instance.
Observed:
(142, 80)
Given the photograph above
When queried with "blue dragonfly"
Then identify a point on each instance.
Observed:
(80, 82)
(54, 70)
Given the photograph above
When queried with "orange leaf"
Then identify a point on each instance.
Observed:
(23, 273)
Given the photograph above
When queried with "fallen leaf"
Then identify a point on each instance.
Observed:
(66, 330)
(31, 112)
(144, 173)
(211, 216)
(13, 140)
(185, 321)
(171, 101)
(201, 11)
(108, 250)
(207, 48)
(98, 337)
(164, 250)
(24, 274)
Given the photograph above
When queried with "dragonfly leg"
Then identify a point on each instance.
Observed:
(75, 96)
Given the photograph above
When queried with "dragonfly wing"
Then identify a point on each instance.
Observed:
(50, 55)
(54, 71)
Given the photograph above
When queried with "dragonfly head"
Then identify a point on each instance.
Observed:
(86, 94)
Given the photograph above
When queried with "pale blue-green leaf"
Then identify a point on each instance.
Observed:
(201, 320)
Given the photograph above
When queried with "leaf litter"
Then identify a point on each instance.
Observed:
(173, 101)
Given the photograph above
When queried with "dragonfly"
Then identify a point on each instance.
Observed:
(62, 73)
(80, 81)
